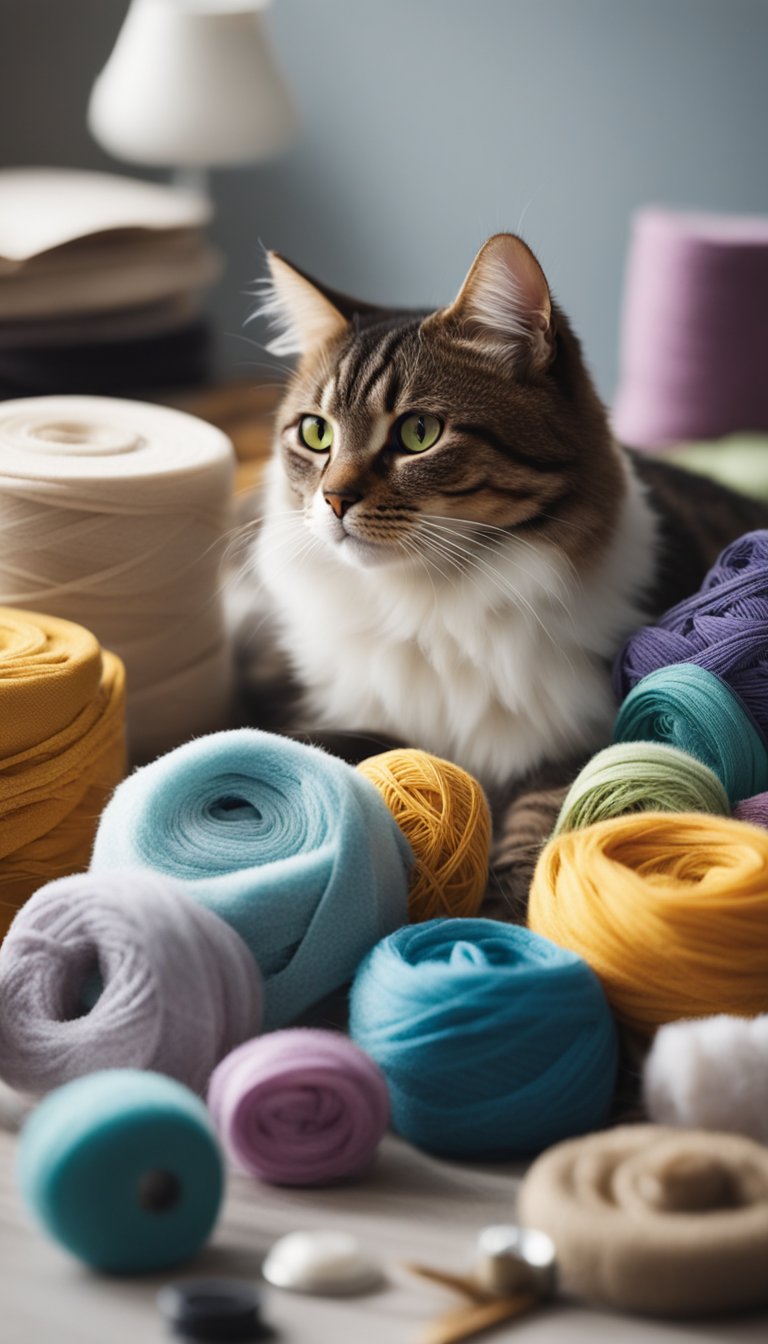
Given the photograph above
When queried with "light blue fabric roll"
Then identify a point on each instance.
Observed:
(292, 847)
(123, 1169)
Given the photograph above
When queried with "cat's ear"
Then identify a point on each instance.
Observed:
(301, 313)
(505, 303)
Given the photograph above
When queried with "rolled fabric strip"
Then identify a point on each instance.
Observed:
(293, 848)
(654, 1220)
(640, 777)
(175, 986)
(62, 749)
(445, 816)
(753, 810)
(300, 1107)
(710, 1074)
(492, 1040)
(687, 707)
(112, 514)
(671, 911)
(122, 1168)
(695, 321)
(722, 628)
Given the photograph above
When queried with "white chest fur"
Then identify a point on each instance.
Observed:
(499, 668)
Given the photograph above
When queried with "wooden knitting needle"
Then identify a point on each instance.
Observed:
(482, 1312)
(464, 1322)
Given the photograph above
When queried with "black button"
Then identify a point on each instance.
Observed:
(213, 1309)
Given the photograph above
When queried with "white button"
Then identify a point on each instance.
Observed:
(320, 1262)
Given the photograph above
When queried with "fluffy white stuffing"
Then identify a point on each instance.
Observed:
(710, 1074)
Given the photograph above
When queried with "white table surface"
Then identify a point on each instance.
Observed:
(409, 1207)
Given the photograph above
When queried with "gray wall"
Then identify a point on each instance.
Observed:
(428, 124)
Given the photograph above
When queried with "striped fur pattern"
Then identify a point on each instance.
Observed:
(468, 599)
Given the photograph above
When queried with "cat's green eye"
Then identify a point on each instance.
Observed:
(316, 433)
(418, 432)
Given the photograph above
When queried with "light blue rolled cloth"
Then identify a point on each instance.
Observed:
(292, 847)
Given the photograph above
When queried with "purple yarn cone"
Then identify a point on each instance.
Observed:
(299, 1107)
(694, 328)
(722, 628)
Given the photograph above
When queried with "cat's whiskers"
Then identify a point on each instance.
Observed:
(243, 533)
(497, 578)
(492, 546)
(509, 534)
(412, 549)
(268, 613)
(453, 537)
(433, 546)
(454, 534)
(302, 552)
(283, 537)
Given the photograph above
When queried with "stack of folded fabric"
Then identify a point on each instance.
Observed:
(101, 283)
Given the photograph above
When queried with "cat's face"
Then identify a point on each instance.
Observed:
(414, 438)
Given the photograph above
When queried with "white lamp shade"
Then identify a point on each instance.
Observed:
(193, 84)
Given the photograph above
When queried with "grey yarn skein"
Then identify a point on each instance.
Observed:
(179, 988)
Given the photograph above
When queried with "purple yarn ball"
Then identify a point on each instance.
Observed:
(754, 810)
(722, 628)
(299, 1107)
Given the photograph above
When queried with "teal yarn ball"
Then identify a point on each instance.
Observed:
(688, 707)
(640, 777)
(293, 848)
(494, 1042)
(123, 1169)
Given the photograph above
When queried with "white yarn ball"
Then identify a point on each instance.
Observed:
(710, 1073)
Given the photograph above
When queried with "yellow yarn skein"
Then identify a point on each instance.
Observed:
(670, 910)
(444, 814)
(62, 749)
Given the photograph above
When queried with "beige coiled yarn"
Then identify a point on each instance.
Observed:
(112, 514)
(665, 1222)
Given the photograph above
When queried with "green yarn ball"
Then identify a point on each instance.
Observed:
(686, 706)
(640, 777)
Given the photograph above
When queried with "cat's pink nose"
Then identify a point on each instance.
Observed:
(340, 503)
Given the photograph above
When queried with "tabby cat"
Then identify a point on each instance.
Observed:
(454, 546)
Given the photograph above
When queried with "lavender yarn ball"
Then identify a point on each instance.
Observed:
(175, 987)
(723, 628)
(300, 1107)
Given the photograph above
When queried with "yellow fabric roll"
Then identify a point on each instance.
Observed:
(62, 749)
(670, 910)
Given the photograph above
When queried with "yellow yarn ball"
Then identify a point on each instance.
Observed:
(444, 814)
(670, 910)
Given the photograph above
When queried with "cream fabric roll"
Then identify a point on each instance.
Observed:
(113, 514)
(664, 1222)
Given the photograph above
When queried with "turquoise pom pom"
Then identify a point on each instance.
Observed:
(123, 1169)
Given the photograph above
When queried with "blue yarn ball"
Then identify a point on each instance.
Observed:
(293, 848)
(494, 1041)
(123, 1169)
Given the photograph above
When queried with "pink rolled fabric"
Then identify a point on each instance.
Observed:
(694, 328)
(299, 1107)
